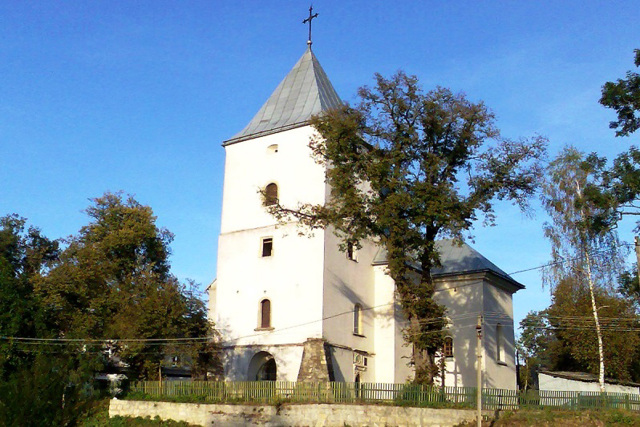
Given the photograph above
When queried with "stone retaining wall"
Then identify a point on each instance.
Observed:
(291, 415)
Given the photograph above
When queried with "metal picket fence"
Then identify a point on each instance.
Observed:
(273, 392)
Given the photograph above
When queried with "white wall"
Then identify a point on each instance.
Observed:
(392, 354)
(236, 361)
(346, 283)
(462, 295)
(292, 277)
(498, 308)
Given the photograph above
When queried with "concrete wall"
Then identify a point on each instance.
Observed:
(291, 415)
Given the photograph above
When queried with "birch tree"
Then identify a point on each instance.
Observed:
(586, 253)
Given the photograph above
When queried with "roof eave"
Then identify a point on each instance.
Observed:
(264, 133)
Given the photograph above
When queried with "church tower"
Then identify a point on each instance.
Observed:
(294, 307)
(279, 298)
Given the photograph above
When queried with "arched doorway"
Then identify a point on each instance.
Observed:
(262, 367)
(267, 371)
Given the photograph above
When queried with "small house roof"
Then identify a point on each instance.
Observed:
(585, 377)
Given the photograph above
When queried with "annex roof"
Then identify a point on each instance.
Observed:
(456, 258)
(304, 92)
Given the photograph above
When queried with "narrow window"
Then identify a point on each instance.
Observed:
(499, 343)
(357, 319)
(265, 313)
(352, 252)
(271, 194)
(448, 347)
(267, 246)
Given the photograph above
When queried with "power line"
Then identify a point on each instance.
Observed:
(565, 260)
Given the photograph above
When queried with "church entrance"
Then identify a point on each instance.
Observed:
(262, 367)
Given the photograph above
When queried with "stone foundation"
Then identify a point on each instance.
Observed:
(292, 415)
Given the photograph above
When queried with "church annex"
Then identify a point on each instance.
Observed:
(296, 308)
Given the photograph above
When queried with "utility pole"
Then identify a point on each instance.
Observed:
(479, 370)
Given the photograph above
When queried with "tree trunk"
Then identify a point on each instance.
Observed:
(595, 318)
(594, 307)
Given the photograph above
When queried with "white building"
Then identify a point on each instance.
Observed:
(296, 308)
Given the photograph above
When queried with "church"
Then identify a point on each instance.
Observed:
(296, 308)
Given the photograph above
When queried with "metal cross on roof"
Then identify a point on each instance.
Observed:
(309, 19)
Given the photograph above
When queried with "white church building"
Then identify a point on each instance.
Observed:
(296, 308)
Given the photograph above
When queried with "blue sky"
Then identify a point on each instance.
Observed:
(138, 96)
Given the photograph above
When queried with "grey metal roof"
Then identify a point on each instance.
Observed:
(304, 92)
(455, 259)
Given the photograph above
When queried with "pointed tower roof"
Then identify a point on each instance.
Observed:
(304, 92)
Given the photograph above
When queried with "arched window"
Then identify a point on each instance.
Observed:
(271, 194)
(265, 313)
(448, 347)
(357, 319)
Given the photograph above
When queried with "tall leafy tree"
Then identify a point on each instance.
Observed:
(407, 167)
(583, 251)
(25, 255)
(56, 382)
(113, 281)
(623, 96)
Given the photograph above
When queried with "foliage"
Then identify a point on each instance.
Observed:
(573, 326)
(614, 190)
(586, 253)
(56, 384)
(405, 168)
(577, 229)
(53, 389)
(561, 338)
(623, 96)
(538, 347)
(24, 255)
(113, 282)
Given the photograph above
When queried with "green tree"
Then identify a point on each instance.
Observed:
(571, 317)
(113, 281)
(56, 383)
(537, 345)
(24, 256)
(583, 251)
(562, 337)
(624, 97)
(406, 168)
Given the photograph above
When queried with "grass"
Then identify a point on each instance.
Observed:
(562, 418)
